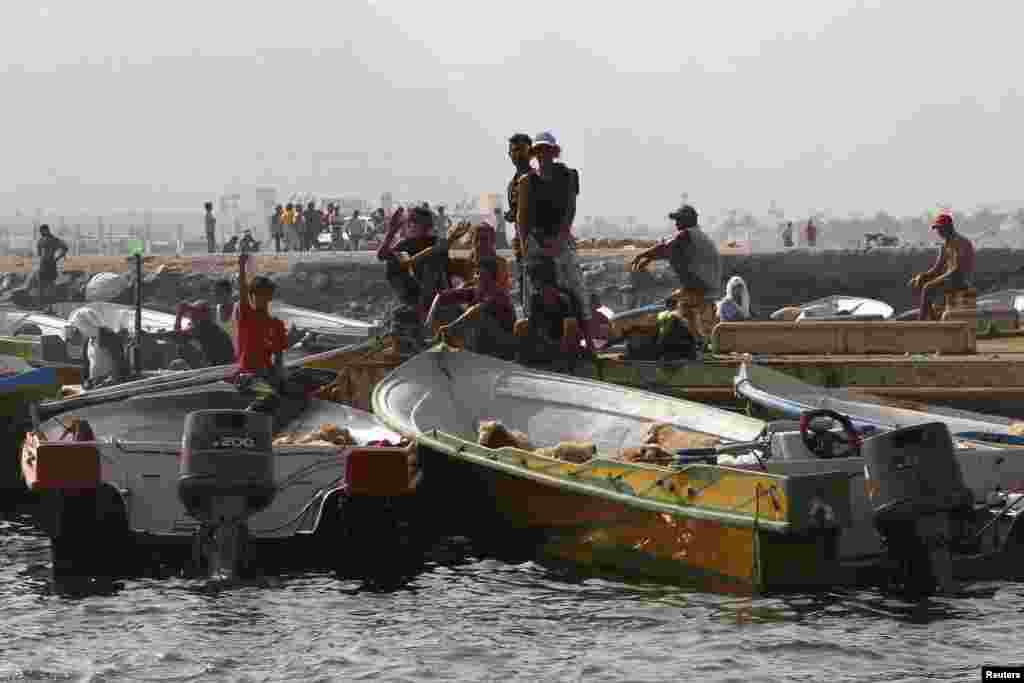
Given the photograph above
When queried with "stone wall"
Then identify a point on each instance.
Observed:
(354, 285)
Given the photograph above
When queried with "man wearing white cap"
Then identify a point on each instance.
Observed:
(546, 207)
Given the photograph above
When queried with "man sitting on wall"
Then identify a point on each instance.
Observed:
(953, 271)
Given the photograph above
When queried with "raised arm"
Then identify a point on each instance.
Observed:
(385, 250)
(243, 281)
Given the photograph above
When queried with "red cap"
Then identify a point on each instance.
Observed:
(943, 220)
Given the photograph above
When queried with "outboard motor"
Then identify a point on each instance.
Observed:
(916, 489)
(226, 475)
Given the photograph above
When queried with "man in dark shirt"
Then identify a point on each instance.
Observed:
(210, 222)
(696, 262)
(312, 224)
(50, 249)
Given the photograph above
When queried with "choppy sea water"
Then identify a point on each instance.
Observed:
(470, 618)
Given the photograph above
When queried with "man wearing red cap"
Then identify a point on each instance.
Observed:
(953, 270)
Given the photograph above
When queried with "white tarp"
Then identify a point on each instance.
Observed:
(107, 286)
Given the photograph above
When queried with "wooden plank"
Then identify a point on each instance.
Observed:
(817, 337)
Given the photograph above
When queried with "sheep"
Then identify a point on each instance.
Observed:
(494, 434)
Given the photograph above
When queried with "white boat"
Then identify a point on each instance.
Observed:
(840, 306)
(15, 322)
(329, 329)
(124, 496)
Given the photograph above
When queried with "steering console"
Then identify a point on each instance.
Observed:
(822, 441)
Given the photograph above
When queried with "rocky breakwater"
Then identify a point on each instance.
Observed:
(353, 285)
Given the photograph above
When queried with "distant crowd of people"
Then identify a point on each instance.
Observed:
(298, 228)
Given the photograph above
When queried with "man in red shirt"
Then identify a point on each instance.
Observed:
(262, 341)
(952, 271)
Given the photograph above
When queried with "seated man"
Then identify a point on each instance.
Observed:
(483, 244)
(696, 262)
(429, 270)
(953, 271)
(491, 314)
(248, 243)
(262, 341)
(214, 344)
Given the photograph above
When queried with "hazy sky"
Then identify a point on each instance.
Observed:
(822, 105)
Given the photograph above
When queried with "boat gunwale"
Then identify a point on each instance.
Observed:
(746, 387)
(479, 455)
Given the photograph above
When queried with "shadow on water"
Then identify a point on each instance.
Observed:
(500, 565)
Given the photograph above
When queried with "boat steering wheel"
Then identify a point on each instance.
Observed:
(822, 442)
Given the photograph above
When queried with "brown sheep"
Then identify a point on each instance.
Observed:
(494, 434)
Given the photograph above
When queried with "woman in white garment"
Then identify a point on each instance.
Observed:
(735, 306)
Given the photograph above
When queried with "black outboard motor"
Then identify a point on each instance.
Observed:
(916, 488)
(226, 475)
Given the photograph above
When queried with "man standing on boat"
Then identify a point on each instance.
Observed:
(545, 209)
(953, 271)
(519, 152)
(697, 264)
(262, 341)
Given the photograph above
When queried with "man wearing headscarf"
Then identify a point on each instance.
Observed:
(735, 305)
(104, 352)
(213, 341)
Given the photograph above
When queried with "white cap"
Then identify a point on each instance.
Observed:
(545, 138)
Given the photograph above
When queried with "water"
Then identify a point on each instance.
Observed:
(469, 618)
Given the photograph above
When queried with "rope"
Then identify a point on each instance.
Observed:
(756, 498)
(755, 569)
(1002, 513)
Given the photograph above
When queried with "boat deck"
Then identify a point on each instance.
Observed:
(994, 373)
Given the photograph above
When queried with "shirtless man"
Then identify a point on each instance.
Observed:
(952, 271)
(519, 152)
